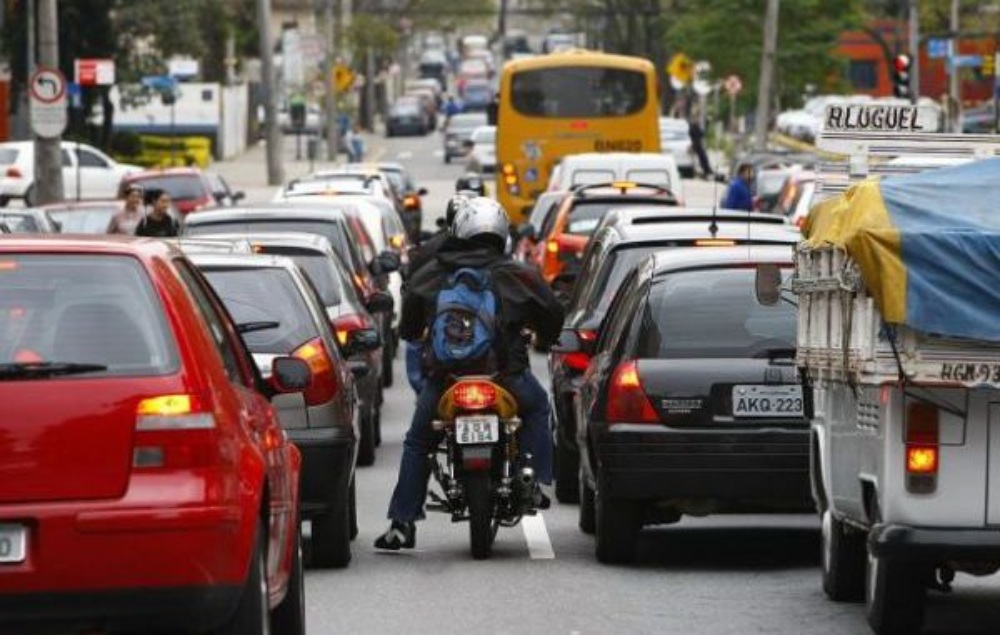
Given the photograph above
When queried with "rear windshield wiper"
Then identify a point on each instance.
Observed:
(253, 327)
(40, 370)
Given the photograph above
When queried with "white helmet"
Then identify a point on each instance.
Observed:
(482, 217)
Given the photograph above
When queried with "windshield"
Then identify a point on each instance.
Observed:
(241, 291)
(83, 310)
(488, 135)
(8, 156)
(330, 231)
(712, 314)
(20, 223)
(586, 215)
(84, 221)
(578, 92)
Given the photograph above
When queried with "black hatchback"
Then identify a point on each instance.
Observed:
(625, 238)
(692, 402)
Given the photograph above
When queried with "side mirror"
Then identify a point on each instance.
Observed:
(422, 191)
(380, 302)
(767, 284)
(388, 261)
(525, 230)
(563, 283)
(362, 341)
(239, 196)
(290, 374)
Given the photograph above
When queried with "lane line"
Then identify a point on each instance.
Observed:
(537, 537)
(438, 154)
(404, 155)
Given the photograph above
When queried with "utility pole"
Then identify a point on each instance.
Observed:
(914, 50)
(954, 88)
(766, 74)
(48, 160)
(502, 21)
(370, 88)
(272, 134)
(31, 38)
(332, 129)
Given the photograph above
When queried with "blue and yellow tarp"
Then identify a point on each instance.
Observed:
(927, 245)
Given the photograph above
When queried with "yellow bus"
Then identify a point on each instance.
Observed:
(568, 103)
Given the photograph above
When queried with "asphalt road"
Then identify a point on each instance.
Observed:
(716, 575)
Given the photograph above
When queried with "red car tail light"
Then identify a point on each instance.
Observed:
(13, 173)
(174, 432)
(324, 380)
(627, 401)
(579, 361)
(475, 395)
(922, 447)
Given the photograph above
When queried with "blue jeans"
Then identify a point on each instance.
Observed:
(535, 438)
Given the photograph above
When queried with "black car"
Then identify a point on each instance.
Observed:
(692, 403)
(349, 317)
(322, 421)
(407, 116)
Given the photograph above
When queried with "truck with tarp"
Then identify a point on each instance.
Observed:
(898, 288)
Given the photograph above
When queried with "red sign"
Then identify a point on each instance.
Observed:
(95, 72)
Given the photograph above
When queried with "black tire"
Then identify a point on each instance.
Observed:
(843, 560)
(331, 534)
(479, 498)
(366, 444)
(289, 618)
(378, 427)
(447, 158)
(29, 196)
(251, 616)
(588, 508)
(617, 527)
(388, 354)
(352, 508)
(4, 201)
(894, 594)
(567, 475)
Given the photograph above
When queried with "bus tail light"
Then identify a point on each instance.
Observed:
(922, 447)
(510, 179)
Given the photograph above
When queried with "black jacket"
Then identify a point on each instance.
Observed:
(427, 250)
(526, 302)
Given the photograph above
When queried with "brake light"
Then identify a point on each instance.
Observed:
(346, 324)
(324, 381)
(922, 447)
(552, 246)
(579, 361)
(627, 401)
(175, 432)
(510, 179)
(14, 173)
(397, 241)
(411, 202)
(8, 265)
(474, 395)
(714, 242)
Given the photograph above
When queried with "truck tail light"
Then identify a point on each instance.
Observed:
(324, 380)
(175, 432)
(922, 447)
(13, 173)
(627, 401)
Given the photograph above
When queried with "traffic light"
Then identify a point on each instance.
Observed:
(901, 76)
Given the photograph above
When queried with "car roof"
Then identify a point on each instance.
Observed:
(664, 262)
(176, 171)
(283, 239)
(244, 261)
(143, 248)
(74, 205)
(280, 210)
(599, 158)
(688, 229)
(653, 215)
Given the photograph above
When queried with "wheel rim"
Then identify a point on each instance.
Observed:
(826, 531)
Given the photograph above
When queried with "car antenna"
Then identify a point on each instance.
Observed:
(713, 227)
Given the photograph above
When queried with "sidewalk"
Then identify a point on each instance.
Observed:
(248, 171)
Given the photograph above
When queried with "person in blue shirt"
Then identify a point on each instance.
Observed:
(740, 196)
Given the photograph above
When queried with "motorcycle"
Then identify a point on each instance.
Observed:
(483, 477)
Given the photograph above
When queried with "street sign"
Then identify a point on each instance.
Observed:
(94, 72)
(343, 77)
(733, 85)
(183, 68)
(879, 119)
(963, 61)
(681, 68)
(937, 48)
(47, 92)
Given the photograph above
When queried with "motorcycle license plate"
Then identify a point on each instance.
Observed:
(476, 429)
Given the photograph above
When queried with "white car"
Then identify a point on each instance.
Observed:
(88, 173)
(590, 168)
(484, 148)
(675, 140)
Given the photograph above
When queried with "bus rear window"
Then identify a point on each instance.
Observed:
(583, 92)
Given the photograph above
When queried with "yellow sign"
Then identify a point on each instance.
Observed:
(989, 65)
(681, 68)
(343, 78)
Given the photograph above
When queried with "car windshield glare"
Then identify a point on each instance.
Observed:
(712, 313)
(79, 309)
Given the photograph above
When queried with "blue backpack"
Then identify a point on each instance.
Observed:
(465, 328)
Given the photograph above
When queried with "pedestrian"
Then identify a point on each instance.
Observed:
(697, 135)
(472, 163)
(125, 221)
(739, 196)
(355, 144)
(158, 223)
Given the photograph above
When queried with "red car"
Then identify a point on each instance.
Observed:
(146, 480)
(190, 189)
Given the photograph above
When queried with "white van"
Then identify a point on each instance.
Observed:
(648, 168)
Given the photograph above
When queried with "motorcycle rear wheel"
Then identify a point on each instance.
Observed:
(479, 498)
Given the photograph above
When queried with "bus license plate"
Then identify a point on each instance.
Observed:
(767, 401)
(13, 543)
(477, 429)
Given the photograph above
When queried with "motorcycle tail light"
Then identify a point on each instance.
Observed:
(475, 395)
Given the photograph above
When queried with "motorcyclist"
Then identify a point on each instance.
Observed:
(472, 182)
(478, 241)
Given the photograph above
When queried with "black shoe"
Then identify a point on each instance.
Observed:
(400, 535)
(540, 500)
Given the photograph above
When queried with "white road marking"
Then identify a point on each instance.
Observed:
(404, 155)
(438, 154)
(537, 536)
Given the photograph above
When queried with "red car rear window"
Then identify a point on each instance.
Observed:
(83, 309)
